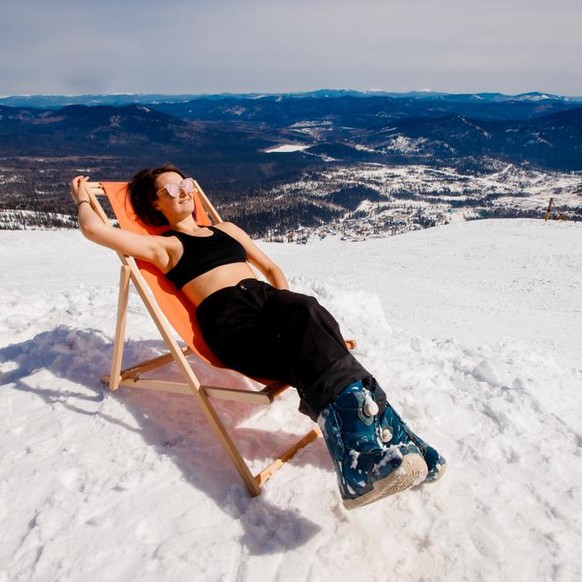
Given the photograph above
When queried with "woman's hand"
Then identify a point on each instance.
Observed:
(79, 189)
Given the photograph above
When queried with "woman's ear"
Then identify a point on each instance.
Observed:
(156, 205)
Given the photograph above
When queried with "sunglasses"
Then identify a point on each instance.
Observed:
(172, 189)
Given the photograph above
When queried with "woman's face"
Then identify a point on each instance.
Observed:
(169, 205)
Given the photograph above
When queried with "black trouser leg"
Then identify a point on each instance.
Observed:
(285, 336)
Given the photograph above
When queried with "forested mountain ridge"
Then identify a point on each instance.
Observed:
(254, 148)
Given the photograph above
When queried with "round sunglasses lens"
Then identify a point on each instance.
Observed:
(188, 185)
(172, 189)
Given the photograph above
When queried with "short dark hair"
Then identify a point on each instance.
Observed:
(142, 192)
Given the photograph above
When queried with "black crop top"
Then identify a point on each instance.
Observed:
(203, 253)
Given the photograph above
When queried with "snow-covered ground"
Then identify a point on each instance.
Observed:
(475, 331)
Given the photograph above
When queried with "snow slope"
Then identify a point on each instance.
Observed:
(474, 330)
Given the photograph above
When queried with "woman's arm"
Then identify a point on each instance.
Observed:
(146, 247)
(256, 256)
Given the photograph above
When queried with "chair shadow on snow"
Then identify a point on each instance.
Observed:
(171, 423)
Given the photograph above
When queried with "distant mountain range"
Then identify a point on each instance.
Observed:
(227, 140)
(380, 129)
(50, 101)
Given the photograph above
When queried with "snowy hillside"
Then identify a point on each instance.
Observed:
(474, 330)
(393, 199)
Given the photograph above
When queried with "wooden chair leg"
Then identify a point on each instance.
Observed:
(115, 376)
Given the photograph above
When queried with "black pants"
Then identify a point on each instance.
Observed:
(270, 333)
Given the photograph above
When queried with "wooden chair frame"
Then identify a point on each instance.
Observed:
(131, 377)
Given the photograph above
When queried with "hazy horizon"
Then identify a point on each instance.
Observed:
(370, 92)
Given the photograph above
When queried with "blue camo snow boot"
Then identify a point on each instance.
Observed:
(395, 432)
(367, 468)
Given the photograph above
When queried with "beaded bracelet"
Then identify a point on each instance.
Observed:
(81, 202)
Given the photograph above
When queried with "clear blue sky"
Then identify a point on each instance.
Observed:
(212, 46)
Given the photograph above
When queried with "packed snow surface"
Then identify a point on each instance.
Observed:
(473, 329)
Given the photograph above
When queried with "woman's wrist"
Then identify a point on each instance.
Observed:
(85, 200)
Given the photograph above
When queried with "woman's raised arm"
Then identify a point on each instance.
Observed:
(149, 248)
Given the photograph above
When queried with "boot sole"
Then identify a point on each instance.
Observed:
(412, 471)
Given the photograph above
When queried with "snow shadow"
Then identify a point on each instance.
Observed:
(63, 366)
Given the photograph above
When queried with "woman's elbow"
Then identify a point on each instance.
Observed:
(92, 231)
(87, 230)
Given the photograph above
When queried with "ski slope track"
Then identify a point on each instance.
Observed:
(475, 331)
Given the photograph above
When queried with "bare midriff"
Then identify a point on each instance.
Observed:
(216, 279)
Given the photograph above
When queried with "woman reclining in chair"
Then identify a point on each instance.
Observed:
(264, 330)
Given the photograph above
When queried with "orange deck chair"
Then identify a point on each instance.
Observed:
(165, 302)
